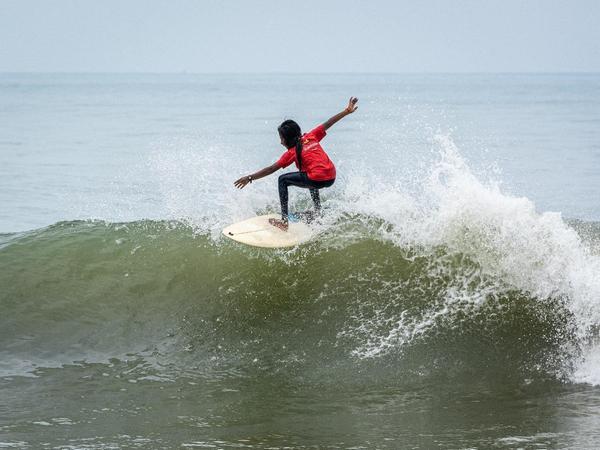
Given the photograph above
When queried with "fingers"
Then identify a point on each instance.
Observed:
(352, 104)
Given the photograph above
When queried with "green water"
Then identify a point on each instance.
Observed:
(147, 335)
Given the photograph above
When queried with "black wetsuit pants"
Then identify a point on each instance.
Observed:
(300, 179)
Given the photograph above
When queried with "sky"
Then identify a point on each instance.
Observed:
(241, 36)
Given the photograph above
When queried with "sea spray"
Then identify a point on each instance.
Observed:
(503, 243)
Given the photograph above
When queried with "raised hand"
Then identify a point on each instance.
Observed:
(351, 105)
(347, 110)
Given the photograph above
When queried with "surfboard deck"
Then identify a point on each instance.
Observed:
(258, 232)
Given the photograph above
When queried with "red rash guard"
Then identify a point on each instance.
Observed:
(315, 162)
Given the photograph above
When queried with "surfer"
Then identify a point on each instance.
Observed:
(315, 169)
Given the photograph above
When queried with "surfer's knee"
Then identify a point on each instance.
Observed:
(282, 181)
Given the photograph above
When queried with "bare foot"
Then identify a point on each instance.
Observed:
(281, 224)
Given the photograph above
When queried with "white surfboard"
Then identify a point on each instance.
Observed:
(258, 232)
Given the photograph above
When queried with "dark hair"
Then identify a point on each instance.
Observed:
(290, 133)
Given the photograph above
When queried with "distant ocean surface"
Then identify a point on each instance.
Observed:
(451, 297)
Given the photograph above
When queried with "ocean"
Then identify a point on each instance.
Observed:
(450, 297)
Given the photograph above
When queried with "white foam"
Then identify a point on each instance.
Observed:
(447, 205)
(588, 369)
(536, 253)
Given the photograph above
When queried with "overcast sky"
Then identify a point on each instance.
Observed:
(300, 36)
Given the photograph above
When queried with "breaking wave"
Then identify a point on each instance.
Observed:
(456, 278)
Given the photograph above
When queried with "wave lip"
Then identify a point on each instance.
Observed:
(513, 249)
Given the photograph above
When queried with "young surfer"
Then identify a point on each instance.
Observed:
(315, 169)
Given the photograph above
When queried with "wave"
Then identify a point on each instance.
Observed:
(458, 279)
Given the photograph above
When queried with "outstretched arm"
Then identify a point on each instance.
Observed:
(349, 110)
(255, 176)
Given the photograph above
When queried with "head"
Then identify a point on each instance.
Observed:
(289, 133)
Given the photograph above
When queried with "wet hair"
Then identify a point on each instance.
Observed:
(290, 133)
